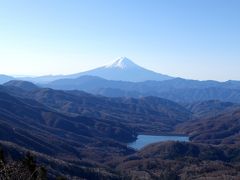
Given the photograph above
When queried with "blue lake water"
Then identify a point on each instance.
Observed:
(144, 140)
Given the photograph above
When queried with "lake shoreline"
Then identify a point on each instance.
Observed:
(163, 134)
(145, 140)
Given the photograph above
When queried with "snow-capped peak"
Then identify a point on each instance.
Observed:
(122, 63)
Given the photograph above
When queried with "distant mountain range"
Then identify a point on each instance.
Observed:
(124, 78)
(178, 90)
(122, 69)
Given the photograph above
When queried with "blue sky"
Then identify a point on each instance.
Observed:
(187, 38)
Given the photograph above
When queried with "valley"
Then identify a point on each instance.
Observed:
(81, 128)
(72, 129)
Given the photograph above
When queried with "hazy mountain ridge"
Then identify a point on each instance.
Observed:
(24, 85)
(5, 78)
(149, 84)
(178, 90)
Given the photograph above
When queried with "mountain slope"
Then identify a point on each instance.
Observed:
(146, 114)
(149, 114)
(220, 129)
(211, 108)
(181, 160)
(72, 139)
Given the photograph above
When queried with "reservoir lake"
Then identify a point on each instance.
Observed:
(144, 140)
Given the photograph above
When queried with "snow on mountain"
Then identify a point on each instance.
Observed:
(122, 63)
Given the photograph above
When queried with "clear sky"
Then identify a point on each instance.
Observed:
(197, 39)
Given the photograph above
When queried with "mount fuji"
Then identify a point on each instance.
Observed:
(123, 69)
